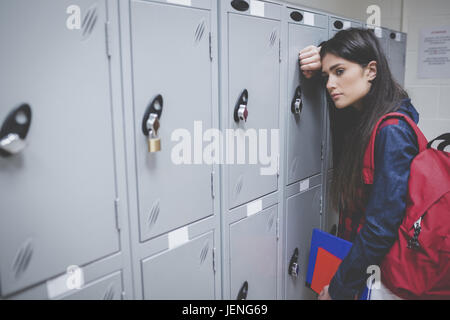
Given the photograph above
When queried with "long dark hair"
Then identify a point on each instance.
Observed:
(351, 129)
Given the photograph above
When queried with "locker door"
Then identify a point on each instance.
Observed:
(254, 65)
(253, 256)
(57, 195)
(303, 215)
(170, 50)
(397, 55)
(304, 149)
(185, 273)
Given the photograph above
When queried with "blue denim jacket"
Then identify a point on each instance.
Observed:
(395, 148)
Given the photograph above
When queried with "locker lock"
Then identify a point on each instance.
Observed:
(151, 124)
(338, 24)
(241, 111)
(14, 131)
(297, 102)
(293, 264)
(242, 295)
(240, 5)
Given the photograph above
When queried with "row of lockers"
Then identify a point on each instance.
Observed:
(91, 86)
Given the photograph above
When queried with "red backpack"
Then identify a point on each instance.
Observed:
(418, 265)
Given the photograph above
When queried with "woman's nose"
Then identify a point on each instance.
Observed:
(331, 85)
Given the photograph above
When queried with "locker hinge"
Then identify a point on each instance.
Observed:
(278, 229)
(108, 39)
(116, 208)
(210, 47)
(214, 259)
(278, 166)
(321, 205)
(213, 195)
(279, 50)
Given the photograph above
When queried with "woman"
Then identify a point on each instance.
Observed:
(362, 90)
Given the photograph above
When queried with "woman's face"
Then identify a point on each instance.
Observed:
(347, 82)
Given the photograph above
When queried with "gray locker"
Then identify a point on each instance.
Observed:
(397, 55)
(302, 216)
(58, 194)
(252, 65)
(171, 60)
(107, 288)
(185, 272)
(305, 98)
(253, 256)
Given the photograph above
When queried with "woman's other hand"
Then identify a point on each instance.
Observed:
(310, 61)
(324, 295)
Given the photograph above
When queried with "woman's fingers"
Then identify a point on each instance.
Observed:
(309, 51)
(311, 66)
(310, 60)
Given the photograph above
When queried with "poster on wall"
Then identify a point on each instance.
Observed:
(434, 53)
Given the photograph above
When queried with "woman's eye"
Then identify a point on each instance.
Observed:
(339, 72)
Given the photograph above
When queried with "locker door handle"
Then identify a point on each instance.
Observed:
(240, 5)
(242, 295)
(15, 130)
(297, 102)
(151, 123)
(241, 111)
(293, 264)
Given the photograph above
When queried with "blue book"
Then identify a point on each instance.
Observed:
(326, 253)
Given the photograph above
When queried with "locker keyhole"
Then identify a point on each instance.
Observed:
(338, 24)
(241, 111)
(296, 16)
(297, 102)
(15, 130)
(293, 264)
(240, 5)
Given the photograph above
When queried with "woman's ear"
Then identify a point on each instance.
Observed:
(371, 71)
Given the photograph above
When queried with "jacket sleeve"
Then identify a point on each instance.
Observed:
(395, 148)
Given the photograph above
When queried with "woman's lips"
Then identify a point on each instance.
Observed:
(336, 96)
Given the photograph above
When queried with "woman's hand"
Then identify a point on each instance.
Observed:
(310, 61)
(324, 295)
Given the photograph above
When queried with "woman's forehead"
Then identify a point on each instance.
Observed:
(331, 61)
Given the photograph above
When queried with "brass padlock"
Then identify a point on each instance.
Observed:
(154, 142)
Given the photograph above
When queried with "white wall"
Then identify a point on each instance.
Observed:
(391, 10)
(431, 97)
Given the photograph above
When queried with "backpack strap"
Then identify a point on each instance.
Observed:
(446, 141)
(369, 156)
